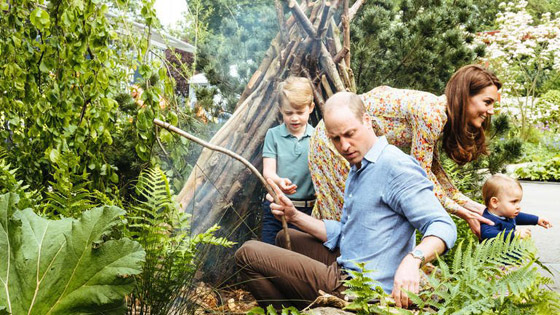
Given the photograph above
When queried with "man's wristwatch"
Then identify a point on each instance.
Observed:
(418, 254)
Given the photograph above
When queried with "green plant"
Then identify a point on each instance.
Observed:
(271, 311)
(494, 277)
(548, 106)
(10, 184)
(360, 289)
(547, 170)
(412, 44)
(172, 254)
(64, 266)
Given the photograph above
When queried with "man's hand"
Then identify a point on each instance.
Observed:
(407, 278)
(285, 207)
(287, 186)
(544, 223)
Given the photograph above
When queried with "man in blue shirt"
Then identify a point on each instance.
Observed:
(387, 197)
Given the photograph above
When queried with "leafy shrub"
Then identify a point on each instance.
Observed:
(547, 170)
(360, 288)
(494, 277)
(10, 184)
(549, 108)
(542, 151)
(172, 253)
(65, 266)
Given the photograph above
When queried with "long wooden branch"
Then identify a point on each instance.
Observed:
(346, 28)
(302, 19)
(236, 156)
(281, 21)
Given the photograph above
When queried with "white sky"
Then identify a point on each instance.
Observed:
(170, 11)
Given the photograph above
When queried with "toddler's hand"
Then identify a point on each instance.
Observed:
(544, 223)
(523, 233)
(286, 186)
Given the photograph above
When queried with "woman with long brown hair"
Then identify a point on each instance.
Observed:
(417, 120)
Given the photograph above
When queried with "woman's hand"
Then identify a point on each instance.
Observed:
(474, 207)
(474, 220)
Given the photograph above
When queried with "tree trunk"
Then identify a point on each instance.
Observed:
(220, 190)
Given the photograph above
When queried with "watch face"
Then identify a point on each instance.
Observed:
(418, 254)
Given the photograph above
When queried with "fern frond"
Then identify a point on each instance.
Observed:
(69, 203)
(494, 276)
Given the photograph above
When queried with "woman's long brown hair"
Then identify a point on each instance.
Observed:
(461, 141)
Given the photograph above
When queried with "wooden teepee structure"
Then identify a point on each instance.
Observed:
(313, 42)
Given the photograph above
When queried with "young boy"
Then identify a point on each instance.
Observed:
(502, 195)
(285, 152)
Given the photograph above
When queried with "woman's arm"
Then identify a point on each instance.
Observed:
(427, 122)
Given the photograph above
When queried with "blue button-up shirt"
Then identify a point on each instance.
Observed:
(384, 202)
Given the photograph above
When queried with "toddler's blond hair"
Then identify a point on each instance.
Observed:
(495, 184)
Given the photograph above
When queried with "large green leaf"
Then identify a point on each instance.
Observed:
(64, 266)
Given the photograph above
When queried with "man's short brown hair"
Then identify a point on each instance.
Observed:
(352, 100)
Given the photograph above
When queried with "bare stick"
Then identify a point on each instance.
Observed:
(236, 156)
(346, 27)
(281, 21)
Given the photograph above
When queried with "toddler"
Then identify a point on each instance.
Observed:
(502, 195)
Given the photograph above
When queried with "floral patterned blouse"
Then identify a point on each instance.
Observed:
(409, 119)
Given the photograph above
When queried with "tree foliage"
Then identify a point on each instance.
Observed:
(239, 34)
(68, 122)
(524, 53)
(412, 44)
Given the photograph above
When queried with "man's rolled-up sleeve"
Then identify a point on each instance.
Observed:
(334, 229)
(411, 194)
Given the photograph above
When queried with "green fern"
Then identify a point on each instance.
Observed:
(172, 254)
(365, 299)
(10, 183)
(498, 276)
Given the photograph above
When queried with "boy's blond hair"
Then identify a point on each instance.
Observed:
(495, 184)
(295, 91)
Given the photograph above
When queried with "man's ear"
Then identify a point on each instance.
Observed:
(367, 120)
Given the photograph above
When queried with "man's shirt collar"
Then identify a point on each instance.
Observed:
(373, 154)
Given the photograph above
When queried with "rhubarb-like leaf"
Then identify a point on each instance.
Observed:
(64, 266)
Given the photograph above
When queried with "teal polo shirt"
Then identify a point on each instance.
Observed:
(290, 154)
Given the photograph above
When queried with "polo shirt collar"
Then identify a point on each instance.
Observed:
(375, 152)
(284, 132)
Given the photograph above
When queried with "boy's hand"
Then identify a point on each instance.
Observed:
(544, 223)
(523, 233)
(286, 186)
(285, 207)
